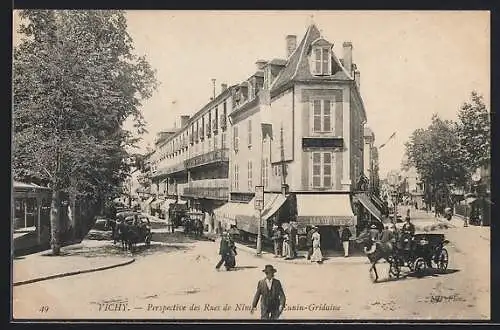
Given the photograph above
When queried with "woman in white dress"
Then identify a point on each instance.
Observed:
(317, 256)
(286, 247)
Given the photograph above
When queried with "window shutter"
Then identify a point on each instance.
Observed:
(311, 117)
(332, 116)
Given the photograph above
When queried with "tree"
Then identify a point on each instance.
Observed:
(474, 132)
(433, 151)
(75, 82)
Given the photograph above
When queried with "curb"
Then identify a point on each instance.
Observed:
(268, 256)
(50, 277)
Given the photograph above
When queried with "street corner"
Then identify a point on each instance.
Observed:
(44, 267)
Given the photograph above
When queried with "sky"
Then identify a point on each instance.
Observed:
(412, 64)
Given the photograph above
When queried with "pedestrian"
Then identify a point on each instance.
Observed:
(374, 232)
(316, 256)
(277, 240)
(344, 237)
(310, 232)
(273, 297)
(223, 249)
(293, 239)
(286, 246)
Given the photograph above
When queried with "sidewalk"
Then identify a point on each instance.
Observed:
(301, 259)
(87, 256)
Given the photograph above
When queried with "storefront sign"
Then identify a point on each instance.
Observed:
(327, 221)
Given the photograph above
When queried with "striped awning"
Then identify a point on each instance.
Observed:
(325, 210)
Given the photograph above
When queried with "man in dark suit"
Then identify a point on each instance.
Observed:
(273, 297)
(224, 249)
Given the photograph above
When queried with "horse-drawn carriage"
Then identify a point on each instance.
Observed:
(131, 228)
(418, 253)
(193, 223)
(425, 251)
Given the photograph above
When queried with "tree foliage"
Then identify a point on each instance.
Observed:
(474, 132)
(75, 82)
(434, 153)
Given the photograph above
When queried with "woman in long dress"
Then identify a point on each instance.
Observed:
(286, 246)
(317, 256)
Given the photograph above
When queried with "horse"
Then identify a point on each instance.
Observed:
(375, 250)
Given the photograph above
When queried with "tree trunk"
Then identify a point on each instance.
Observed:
(55, 223)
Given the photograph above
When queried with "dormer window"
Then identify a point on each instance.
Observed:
(321, 58)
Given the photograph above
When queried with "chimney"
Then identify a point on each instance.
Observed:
(223, 87)
(357, 77)
(291, 44)
(184, 121)
(347, 45)
(260, 64)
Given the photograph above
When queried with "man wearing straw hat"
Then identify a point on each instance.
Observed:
(273, 297)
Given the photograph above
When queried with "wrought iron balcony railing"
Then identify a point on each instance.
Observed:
(221, 155)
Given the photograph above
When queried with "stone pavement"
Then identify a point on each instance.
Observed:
(87, 256)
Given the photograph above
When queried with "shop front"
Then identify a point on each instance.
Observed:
(245, 216)
(330, 213)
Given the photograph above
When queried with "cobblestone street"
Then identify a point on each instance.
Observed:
(174, 276)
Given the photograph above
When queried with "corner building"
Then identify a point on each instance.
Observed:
(308, 155)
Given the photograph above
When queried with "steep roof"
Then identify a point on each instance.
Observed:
(297, 67)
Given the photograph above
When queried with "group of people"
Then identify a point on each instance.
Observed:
(389, 234)
(285, 241)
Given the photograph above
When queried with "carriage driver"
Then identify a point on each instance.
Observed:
(407, 233)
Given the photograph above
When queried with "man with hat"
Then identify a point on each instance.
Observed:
(273, 297)
(277, 240)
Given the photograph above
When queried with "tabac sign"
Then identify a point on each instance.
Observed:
(259, 198)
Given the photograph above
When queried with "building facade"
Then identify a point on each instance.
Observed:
(295, 127)
(298, 131)
(190, 163)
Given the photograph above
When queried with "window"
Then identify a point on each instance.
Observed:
(224, 116)
(250, 183)
(236, 177)
(249, 133)
(321, 60)
(321, 115)
(216, 118)
(236, 139)
(322, 169)
(265, 172)
(223, 140)
(216, 142)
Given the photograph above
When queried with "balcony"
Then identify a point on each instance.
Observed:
(209, 188)
(170, 170)
(221, 155)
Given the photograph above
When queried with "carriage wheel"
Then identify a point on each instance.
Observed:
(394, 269)
(442, 260)
(419, 266)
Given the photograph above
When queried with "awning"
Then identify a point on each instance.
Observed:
(166, 203)
(181, 202)
(155, 203)
(149, 200)
(325, 210)
(272, 203)
(367, 203)
(225, 213)
(470, 200)
(246, 216)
